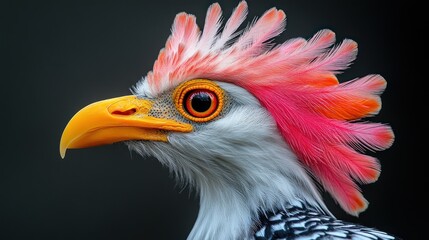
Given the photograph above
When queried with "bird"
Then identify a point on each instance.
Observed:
(257, 128)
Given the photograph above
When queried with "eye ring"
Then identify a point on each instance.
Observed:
(200, 103)
(199, 100)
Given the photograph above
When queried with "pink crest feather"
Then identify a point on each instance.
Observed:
(296, 82)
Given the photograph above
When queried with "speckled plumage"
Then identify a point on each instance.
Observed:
(299, 221)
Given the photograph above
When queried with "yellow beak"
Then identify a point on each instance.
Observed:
(115, 120)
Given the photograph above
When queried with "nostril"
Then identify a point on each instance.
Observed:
(125, 112)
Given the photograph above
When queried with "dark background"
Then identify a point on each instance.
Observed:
(58, 56)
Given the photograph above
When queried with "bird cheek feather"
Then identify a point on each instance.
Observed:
(114, 120)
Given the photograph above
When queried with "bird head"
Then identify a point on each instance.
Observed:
(250, 124)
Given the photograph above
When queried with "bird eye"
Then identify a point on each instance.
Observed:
(199, 100)
(200, 103)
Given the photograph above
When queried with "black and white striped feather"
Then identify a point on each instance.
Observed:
(301, 222)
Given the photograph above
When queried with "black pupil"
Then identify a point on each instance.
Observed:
(201, 101)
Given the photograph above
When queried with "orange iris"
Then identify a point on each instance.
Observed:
(201, 103)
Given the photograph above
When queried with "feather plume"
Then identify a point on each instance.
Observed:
(296, 81)
(238, 16)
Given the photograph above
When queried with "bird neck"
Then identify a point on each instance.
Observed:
(230, 206)
(223, 214)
